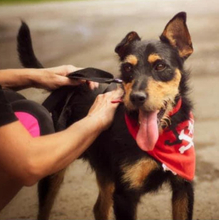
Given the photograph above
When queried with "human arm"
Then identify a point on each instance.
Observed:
(30, 159)
(48, 78)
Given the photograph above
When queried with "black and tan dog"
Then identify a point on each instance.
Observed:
(150, 140)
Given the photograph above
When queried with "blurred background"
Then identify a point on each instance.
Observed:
(85, 33)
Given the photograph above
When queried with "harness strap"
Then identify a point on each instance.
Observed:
(60, 98)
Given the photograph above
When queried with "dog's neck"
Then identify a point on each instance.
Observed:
(176, 108)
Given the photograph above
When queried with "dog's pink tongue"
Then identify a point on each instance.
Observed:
(148, 133)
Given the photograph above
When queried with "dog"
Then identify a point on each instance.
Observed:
(150, 141)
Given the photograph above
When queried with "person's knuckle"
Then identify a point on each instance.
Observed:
(100, 96)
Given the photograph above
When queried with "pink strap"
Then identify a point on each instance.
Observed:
(29, 122)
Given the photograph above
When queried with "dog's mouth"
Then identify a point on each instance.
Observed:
(148, 133)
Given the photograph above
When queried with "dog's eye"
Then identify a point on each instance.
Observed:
(160, 67)
(127, 67)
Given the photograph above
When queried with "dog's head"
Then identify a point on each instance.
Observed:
(152, 71)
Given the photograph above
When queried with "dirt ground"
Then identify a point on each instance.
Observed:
(85, 34)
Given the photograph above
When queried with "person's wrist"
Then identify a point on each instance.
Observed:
(97, 122)
(33, 76)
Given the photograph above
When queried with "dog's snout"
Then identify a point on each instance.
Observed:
(138, 97)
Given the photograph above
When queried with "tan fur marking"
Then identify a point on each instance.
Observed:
(55, 182)
(153, 57)
(126, 99)
(174, 30)
(104, 201)
(185, 51)
(158, 92)
(174, 27)
(136, 174)
(169, 35)
(180, 208)
(132, 59)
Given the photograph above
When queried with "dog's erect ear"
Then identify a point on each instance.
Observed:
(176, 33)
(122, 46)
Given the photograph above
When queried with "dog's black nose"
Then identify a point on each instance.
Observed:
(138, 97)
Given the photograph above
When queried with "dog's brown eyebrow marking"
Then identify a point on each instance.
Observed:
(132, 59)
(153, 58)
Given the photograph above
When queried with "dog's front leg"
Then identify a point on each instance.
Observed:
(182, 199)
(104, 201)
(125, 202)
(47, 191)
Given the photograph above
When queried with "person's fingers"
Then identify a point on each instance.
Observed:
(103, 109)
(112, 95)
(71, 68)
(92, 85)
(116, 95)
(64, 70)
(109, 97)
(64, 81)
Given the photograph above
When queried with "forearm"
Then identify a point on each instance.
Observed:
(29, 159)
(19, 78)
(34, 158)
(62, 148)
(48, 78)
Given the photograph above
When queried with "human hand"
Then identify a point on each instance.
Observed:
(105, 106)
(55, 77)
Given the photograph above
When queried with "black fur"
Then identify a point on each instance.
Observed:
(116, 147)
(25, 47)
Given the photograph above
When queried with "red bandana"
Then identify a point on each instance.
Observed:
(174, 148)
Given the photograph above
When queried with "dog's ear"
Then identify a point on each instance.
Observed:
(177, 34)
(121, 48)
